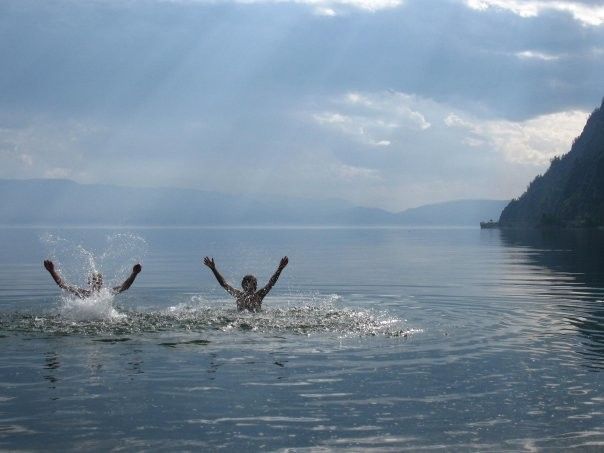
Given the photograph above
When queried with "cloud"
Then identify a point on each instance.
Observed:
(349, 172)
(391, 104)
(383, 143)
(585, 13)
(192, 58)
(535, 141)
(58, 173)
(26, 159)
(394, 104)
(385, 149)
(47, 148)
(536, 55)
(453, 120)
(320, 7)
(457, 154)
(373, 118)
(364, 5)
(360, 128)
(322, 11)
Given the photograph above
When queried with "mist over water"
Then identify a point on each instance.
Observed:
(390, 339)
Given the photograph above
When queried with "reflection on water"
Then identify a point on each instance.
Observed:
(576, 252)
(577, 258)
(383, 339)
(51, 364)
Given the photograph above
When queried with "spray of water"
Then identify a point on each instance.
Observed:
(77, 262)
(311, 314)
(303, 313)
(321, 316)
(99, 306)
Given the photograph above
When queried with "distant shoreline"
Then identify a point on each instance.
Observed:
(243, 227)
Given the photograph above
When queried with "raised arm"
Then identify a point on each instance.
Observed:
(128, 283)
(264, 291)
(50, 267)
(221, 281)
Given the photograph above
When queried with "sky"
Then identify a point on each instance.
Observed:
(383, 103)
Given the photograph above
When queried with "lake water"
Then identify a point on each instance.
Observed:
(385, 339)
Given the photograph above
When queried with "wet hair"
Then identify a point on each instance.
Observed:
(95, 280)
(249, 283)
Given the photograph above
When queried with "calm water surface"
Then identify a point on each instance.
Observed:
(385, 339)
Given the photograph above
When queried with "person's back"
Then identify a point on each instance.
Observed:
(250, 298)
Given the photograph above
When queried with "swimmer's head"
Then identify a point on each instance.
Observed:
(249, 284)
(95, 280)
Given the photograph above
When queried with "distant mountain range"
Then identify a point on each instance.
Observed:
(571, 192)
(64, 202)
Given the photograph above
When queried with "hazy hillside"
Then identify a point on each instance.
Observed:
(571, 192)
(62, 202)
(460, 212)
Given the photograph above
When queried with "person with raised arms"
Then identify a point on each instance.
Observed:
(95, 281)
(250, 298)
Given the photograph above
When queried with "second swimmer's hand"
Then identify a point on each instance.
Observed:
(209, 262)
(283, 262)
(137, 268)
(49, 265)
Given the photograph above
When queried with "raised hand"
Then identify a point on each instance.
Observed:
(137, 268)
(50, 267)
(209, 262)
(283, 262)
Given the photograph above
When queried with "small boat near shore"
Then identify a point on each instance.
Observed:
(490, 224)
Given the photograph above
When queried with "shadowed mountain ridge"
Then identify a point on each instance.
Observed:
(571, 192)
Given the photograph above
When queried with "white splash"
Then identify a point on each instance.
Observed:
(99, 306)
(76, 262)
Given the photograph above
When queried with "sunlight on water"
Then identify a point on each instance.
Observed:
(371, 340)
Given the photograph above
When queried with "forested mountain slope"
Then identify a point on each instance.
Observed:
(571, 192)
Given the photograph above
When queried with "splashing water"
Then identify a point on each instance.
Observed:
(98, 306)
(312, 313)
(76, 262)
(96, 315)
